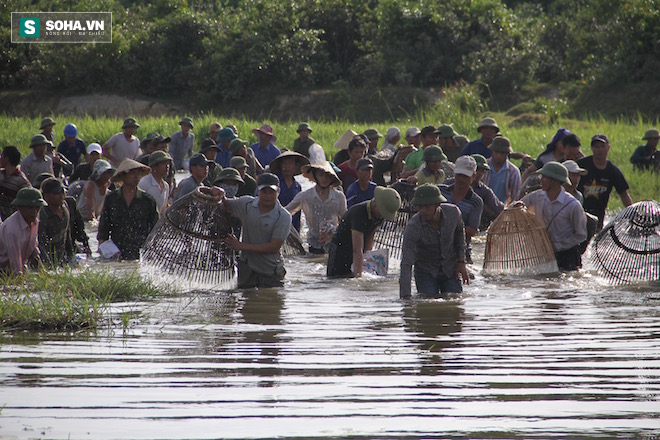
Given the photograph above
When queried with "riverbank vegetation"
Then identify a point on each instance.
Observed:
(601, 55)
(69, 299)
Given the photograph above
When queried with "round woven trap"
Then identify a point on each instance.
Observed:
(517, 244)
(187, 241)
(627, 249)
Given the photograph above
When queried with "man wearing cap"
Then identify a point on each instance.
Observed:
(38, 161)
(503, 177)
(304, 140)
(392, 138)
(266, 225)
(224, 139)
(561, 215)
(230, 181)
(433, 242)
(12, 180)
(46, 127)
(71, 147)
(488, 128)
(602, 175)
(19, 233)
(249, 187)
(265, 150)
(413, 136)
(150, 143)
(84, 170)
(181, 146)
(446, 135)
(154, 183)
(214, 130)
(646, 156)
(210, 150)
(356, 230)
(124, 144)
(373, 136)
(55, 242)
(431, 172)
(460, 193)
(199, 169)
(239, 147)
(574, 175)
(363, 188)
(322, 204)
(286, 166)
(128, 213)
(429, 136)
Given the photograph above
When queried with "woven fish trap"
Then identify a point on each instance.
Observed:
(518, 244)
(187, 241)
(390, 233)
(627, 249)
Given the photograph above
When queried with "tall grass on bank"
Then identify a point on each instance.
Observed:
(460, 107)
(67, 300)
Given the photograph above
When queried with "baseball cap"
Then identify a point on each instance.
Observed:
(465, 165)
(429, 129)
(412, 132)
(199, 160)
(363, 163)
(94, 147)
(268, 180)
(600, 138)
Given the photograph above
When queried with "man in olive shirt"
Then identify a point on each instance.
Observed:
(128, 213)
(55, 241)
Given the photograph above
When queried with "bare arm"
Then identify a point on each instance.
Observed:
(625, 198)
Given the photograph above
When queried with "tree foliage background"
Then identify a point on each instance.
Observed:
(224, 50)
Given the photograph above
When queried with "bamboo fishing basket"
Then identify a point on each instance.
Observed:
(628, 248)
(187, 241)
(518, 244)
(390, 233)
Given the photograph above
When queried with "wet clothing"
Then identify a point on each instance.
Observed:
(10, 184)
(505, 183)
(55, 242)
(127, 226)
(18, 243)
(302, 147)
(265, 155)
(149, 185)
(320, 215)
(355, 195)
(492, 205)
(90, 209)
(122, 148)
(477, 147)
(340, 253)
(434, 253)
(181, 148)
(32, 166)
(260, 228)
(471, 207)
(597, 185)
(72, 151)
(78, 233)
(287, 193)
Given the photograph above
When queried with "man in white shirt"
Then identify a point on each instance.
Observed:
(124, 144)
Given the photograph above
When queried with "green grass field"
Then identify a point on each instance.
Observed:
(624, 135)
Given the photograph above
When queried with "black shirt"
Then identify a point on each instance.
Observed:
(597, 185)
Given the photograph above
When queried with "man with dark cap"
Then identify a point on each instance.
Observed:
(18, 234)
(266, 225)
(488, 128)
(55, 242)
(210, 150)
(373, 136)
(363, 188)
(249, 186)
(304, 140)
(647, 157)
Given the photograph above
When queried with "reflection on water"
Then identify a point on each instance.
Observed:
(564, 356)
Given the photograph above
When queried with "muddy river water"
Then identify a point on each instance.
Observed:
(560, 356)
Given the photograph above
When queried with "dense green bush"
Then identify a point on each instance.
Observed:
(222, 50)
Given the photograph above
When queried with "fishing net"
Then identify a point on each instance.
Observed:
(390, 233)
(628, 248)
(187, 241)
(293, 245)
(518, 244)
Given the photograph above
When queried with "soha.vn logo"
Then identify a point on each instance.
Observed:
(30, 28)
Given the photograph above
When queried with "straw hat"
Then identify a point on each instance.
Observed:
(428, 194)
(345, 139)
(127, 165)
(388, 202)
(554, 170)
(29, 197)
(276, 164)
(326, 167)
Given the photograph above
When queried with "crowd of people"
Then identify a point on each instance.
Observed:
(459, 187)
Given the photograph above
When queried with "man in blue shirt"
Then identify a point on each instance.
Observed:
(225, 136)
(265, 150)
(488, 129)
(362, 189)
